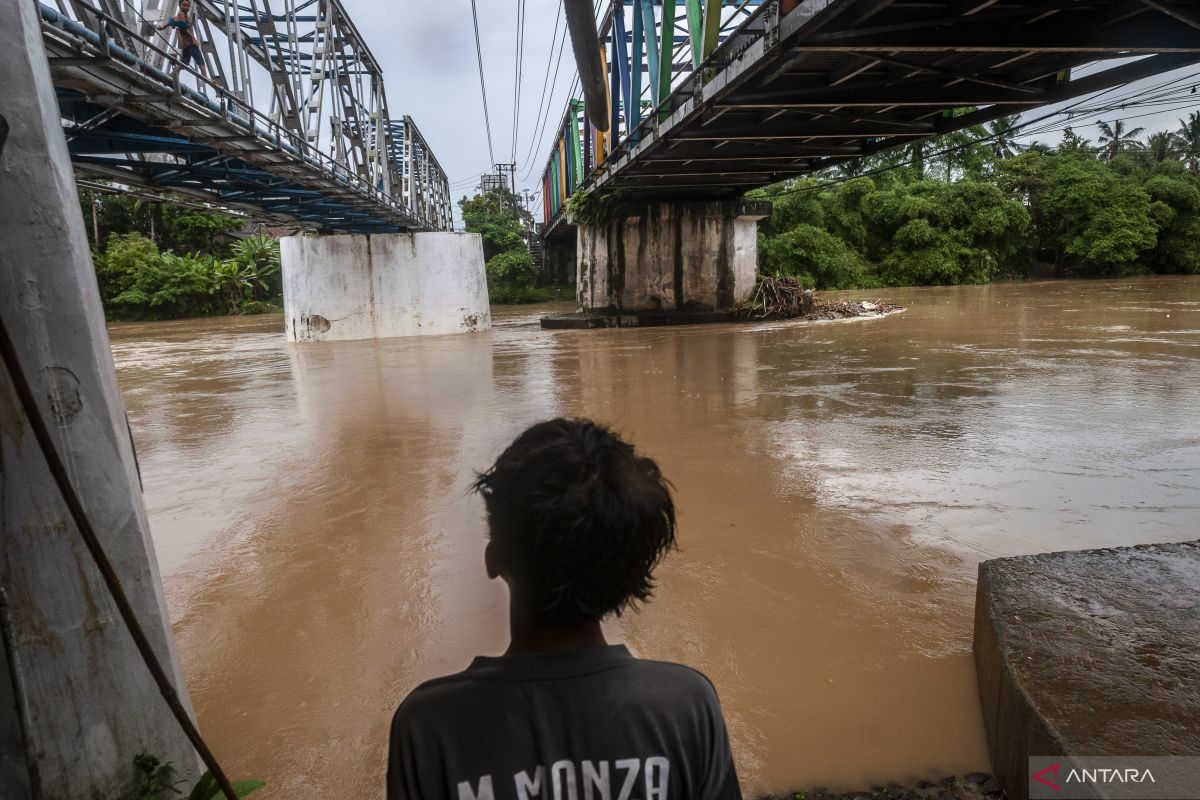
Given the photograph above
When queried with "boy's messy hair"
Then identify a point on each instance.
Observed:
(578, 520)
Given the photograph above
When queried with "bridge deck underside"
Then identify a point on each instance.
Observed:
(861, 76)
(131, 123)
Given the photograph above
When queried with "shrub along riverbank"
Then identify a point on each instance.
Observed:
(987, 209)
(504, 225)
(157, 261)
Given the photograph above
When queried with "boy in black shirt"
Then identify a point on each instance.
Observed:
(578, 522)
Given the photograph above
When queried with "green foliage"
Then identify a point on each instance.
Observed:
(207, 788)
(597, 208)
(932, 232)
(1085, 214)
(499, 219)
(160, 781)
(156, 780)
(178, 228)
(964, 210)
(1175, 208)
(193, 231)
(138, 281)
(510, 276)
(813, 256)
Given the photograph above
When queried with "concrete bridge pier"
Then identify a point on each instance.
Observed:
(377, 286)
(77, 703)
(677, 257)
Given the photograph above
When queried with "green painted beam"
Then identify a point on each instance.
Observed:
(651, 32)
(695, 22)
(576, 142)
(712, 27)
(665, 55)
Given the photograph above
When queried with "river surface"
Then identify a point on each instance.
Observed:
(838, 484)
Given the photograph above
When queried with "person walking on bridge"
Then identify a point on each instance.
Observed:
(185, 39)
(578, 521)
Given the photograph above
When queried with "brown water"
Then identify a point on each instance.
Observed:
(838, 483)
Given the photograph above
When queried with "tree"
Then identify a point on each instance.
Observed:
(1160, 146)
(497, 216)
(817, 258)
(932, 232)
(510, 275)
(1073, 142)
(1085, 215)
(1187, 141)
(1002, 131)
(1176, 211)
(1115, 139)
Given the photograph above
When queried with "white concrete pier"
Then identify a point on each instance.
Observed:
(377, 286)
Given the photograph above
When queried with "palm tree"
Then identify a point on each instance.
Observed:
(1002, 132)
(1073, 141)
(1160, 146)
(1115, 139)
(1187, 140)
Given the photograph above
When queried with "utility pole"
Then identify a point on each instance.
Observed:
(508, 183)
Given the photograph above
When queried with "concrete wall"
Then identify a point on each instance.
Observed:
(558, 258)
(1088, 653)
(383, 285)
(671, 256)
(79, 704)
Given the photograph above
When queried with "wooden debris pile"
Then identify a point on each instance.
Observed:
(785, 298)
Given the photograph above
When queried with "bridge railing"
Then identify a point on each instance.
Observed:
(360, 151)
(634, 49)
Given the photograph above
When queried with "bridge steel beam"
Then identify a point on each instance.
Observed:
(797, 86)
(324, 124)
(825, 80)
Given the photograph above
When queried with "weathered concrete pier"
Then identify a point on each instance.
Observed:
(1089, 653)
(376, 286)
(671, 256)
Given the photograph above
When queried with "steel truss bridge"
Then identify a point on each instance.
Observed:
(290, 125)
(744, 93)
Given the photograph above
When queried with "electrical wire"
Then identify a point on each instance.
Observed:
(487, 122)
(519, 63)
(1069, 110)
(544, 104)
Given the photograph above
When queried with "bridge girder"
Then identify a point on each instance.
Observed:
(325, 126)
(835, 80)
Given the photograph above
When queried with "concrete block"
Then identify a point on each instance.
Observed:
(383, 285)
(671, 256)
(1089, 653)
(76, 701)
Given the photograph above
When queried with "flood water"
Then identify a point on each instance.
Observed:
(838, 484)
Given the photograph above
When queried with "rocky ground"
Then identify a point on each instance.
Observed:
(975, 786)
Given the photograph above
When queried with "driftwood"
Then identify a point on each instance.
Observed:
(785, 298)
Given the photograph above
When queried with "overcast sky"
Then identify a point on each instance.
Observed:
(427, 50)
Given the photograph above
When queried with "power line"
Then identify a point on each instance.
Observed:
(554, 82)
(519, 62)
(487, 122)
(543, 106)
(1069, 111)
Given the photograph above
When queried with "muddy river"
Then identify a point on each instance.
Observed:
(837, 482)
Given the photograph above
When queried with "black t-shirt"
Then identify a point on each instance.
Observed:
(587, 724)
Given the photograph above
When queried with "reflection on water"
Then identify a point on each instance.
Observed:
(838, 483)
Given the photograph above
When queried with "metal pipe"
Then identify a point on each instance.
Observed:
(584, 40)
